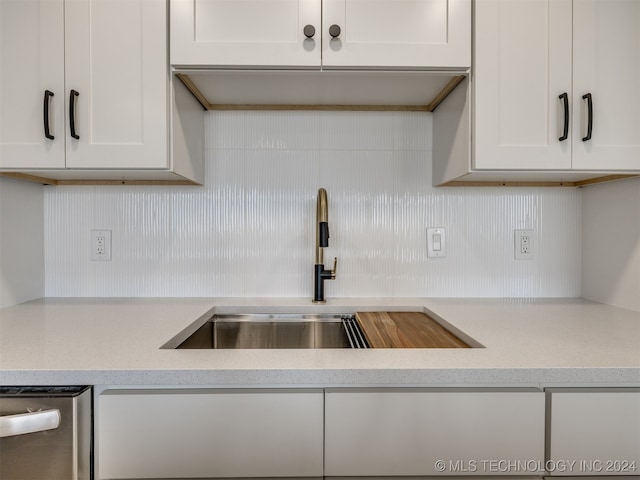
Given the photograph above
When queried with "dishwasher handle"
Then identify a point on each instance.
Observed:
(31, 422)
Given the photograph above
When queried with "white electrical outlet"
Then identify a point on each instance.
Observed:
(524, 245)
(101, 245)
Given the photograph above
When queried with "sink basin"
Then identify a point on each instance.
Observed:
(384, 329)
(276, 331)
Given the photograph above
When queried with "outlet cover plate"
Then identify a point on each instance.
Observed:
(524, 245)
(101, 245)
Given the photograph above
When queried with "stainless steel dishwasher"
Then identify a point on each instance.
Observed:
(45, 433)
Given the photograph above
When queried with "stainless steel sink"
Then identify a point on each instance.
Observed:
(277, 331)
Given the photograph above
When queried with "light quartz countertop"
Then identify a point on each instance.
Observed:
(526, 342)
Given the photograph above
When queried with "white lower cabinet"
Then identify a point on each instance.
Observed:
(367, 432)
(597, 430)
(398, 432)
(209, 433)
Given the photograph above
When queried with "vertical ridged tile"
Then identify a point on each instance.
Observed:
(250, 230)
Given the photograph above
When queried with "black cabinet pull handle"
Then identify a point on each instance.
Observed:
(335, 30)
(72, 114)
(309, 31)
(587, 96)
(47, 95)
(565, 99)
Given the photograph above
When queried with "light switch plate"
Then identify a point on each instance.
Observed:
(436, 243)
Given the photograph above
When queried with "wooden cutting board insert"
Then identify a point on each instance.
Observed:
(406, 330)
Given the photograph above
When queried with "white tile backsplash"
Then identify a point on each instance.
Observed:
(250, 230)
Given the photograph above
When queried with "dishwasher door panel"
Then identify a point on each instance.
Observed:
(60, 453)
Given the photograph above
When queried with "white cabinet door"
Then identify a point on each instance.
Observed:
(115, 54)
(207, 433)
(31, 62)
(247, 33)
(522, 66)
(598, 429)
(387, 432)
(530, 53)
(396, 33)
(606, 45)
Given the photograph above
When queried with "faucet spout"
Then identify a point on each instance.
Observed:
(322, 241)
(322, 225)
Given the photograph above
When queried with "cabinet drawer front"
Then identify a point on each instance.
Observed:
(599, 429)
(209, 433)
(400, 432)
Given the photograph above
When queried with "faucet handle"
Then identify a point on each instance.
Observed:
(335, 268)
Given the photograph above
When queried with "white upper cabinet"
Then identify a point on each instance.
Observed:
(314, 33)
(85, 93)
(116, 60)
(250, 33)
(606, 64)
(396, 33)
(522, 69)
(32, 89)
(556, 85)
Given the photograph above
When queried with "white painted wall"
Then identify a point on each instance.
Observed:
(21, 241)
(611, 243)
(250, 230)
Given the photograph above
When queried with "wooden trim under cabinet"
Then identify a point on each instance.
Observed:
(53, 181)
(577, 183)
(428, 107)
